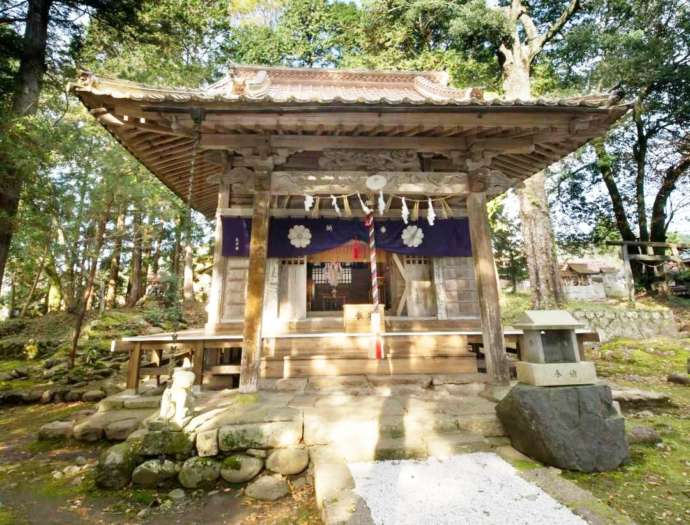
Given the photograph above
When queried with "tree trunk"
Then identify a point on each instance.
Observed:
(156, 256)
(542, 264)
(81, 312)
(516, 72)
(640, 155)
(28, 83)
(146, 249)
(604, 164)
(13, 295)
(114, 272)
(668, 184)
(537, 232)
(34, 285)
(188, 285)
(177, 248)
(606, 171)
(135, 289)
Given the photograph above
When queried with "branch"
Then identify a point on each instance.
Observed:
(668, 184)
(538, 44)
(8, 20)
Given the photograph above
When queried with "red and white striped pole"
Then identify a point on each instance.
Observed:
(375, 316)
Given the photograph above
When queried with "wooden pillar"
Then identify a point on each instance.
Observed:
(256, 280)
(487, 288)
(439, 288)
(215, 300)
(198, 362)
(627, 269)
(133, 368)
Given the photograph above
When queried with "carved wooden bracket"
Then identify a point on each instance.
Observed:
(370, 160)
(339, 182)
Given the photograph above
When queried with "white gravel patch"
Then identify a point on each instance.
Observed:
(476, 489)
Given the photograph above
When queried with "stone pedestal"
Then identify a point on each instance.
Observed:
(569, 427)
(556, 374)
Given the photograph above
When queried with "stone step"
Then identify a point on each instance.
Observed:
(356, 449)
(362, 448)
(443, 445)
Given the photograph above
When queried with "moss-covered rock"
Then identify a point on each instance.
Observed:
(115, 467)
(155, 472)
(240, 468)
(166, 442)
(12, 327)
(199, 472)
(260, 435)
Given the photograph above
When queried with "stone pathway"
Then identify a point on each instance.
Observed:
(472, 489)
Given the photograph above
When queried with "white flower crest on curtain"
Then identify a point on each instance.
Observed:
(412, 236)
(299, 236)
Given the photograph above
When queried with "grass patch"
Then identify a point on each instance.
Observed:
(512, 305)
(7, 517)
(646, 357)
(655, 486)
(524, 465)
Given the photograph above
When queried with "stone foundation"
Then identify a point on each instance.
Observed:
(629, 323)
(271, 437)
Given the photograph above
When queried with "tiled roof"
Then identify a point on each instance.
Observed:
(260, 84)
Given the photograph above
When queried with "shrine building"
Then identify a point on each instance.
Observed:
(351, 215)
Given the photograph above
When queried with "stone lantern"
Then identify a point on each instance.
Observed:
(549, 350)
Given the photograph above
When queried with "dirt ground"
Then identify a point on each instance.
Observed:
(35, 488)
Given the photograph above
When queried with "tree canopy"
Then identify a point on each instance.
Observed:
(63, 176)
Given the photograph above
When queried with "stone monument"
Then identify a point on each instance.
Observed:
(558, 415)
(549, 350)
(177, 403)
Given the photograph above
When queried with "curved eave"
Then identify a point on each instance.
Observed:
(166, 152)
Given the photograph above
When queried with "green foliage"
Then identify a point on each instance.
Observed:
(642, 47)
(514, 304)
(507, 243)
(481, 29)
(11, 327)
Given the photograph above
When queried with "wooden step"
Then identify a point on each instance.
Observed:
(421, 325)
(331, 365)
(406, 345)
(364, 352)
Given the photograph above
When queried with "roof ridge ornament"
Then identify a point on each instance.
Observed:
(430, 89)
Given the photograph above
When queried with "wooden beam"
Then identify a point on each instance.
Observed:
(557, 118)
(322, 142)
(487, 287)
(629, 280)
(133, 368)
(341, 182)
(253, 309)
(241, 211)
(504, 145)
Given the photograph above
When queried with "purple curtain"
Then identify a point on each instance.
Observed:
(297, 237)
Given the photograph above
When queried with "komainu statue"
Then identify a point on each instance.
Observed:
(177, 404)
